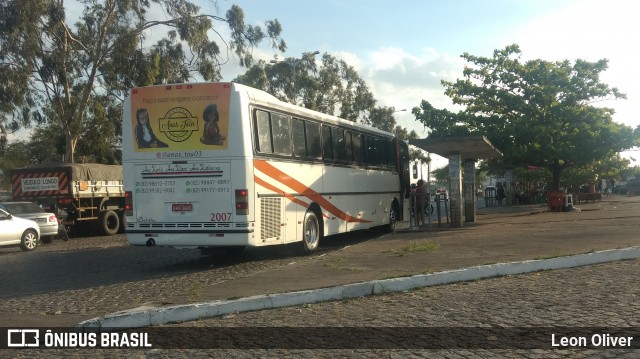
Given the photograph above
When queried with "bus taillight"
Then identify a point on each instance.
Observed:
(128, 203)
(242, 202)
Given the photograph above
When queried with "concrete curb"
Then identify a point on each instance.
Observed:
(148, 316)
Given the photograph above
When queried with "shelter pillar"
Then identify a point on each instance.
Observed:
(455, 190)
(469, 190)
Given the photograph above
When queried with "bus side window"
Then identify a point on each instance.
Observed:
(263, 132)
(297, 135)
(357, 148)
(369, 151)
(337, 136)
(327, 148)
(380, 159)
(314, 148)
(281, 134)
(348, 145)
(391, 154)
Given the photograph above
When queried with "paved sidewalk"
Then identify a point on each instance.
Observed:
(501, 235)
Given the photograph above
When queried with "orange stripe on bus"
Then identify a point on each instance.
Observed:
(269, 186)
(290, 182)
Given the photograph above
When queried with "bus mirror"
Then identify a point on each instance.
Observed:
(415, 171)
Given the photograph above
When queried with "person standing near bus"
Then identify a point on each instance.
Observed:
(420, 197)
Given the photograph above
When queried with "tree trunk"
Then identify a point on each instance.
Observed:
(556, 170)
(70, 148)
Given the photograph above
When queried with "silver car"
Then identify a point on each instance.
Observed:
(47, 221)
(15, 230)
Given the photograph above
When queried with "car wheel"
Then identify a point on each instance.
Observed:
(29, 240)
(310, 232)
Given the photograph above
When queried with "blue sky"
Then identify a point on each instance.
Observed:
(404, 48)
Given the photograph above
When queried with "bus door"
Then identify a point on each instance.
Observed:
(404, 172)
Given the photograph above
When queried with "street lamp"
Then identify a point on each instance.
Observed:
(294, 63)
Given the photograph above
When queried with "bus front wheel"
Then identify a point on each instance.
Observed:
(310, 232)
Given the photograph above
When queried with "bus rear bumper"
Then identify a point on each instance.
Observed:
(190, 239)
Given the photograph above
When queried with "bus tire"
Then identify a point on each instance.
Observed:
(310, 232)
(109, 222)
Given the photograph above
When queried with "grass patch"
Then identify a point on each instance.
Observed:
(195, 291)
(416, 246)
(340, 263)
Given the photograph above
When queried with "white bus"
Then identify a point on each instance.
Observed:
(211, 165)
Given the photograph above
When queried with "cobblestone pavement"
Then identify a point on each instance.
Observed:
(593, 296)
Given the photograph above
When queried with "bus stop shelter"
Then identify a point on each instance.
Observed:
(462, 153)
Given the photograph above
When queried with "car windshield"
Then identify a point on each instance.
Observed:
(23, 207)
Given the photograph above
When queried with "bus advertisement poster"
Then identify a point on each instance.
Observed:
(180, 117)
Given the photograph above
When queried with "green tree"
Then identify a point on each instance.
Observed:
(51, 69)
(332, 87)
(536, 112)
(382, 118)
(612, 167)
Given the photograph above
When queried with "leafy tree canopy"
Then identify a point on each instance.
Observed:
(67, 74)
(332, 87)
(536, 112)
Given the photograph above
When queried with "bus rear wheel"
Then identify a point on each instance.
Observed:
(310, 232)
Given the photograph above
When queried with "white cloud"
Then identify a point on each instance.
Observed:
(402, 80)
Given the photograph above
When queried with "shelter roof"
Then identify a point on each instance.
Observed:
(469, 147)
